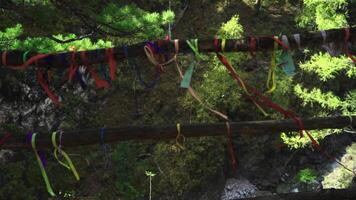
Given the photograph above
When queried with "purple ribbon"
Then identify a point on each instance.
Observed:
(40, 153)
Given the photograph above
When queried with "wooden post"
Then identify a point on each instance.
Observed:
(73, 138)
(63, 60)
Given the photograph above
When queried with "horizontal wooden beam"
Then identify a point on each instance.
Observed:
(329, 194)
(73, 138)
(63, 60)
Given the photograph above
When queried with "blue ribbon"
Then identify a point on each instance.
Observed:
(104, 147)
(146, 86)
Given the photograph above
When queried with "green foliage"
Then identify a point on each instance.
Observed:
(320, 14)
(189, 170)
(8, 37)
(133, 21)
(9, 41)
(328, 67)
(231, 28)
(306, 175)
(130, 170)
(294, 141)
(327, 86)
(325, 100)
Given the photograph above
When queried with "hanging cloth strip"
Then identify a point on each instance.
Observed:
(59, 150)
(231, 147)
(98, 82)
(346, 48)
(150, 53)
(233, 73)
(43, 171)
(80, 78)
(180, 139)
(271, 78)
(73, 66)
(45, 87)
(105, 148)
(104, 73)
(147, 86)
(29, 62)
(263, 100)
(223, 116)
(193, 44)
(110, 55)
(252, 93)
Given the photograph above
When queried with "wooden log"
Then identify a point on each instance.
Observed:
(73, 138)
(63, 60)
(330, 194)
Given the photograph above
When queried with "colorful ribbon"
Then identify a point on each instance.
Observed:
(45, 87)
(73, 66)
(30, 61)
(58, 150)
(193, 44)
(233, 73)
(271, 78)
(252, 93)
(205, 106)
(43, 171)
(150, 53)
(147, 86)
(346, 48)
(110, 55)
(231, 147)
(105, 148)
(180, 138)
(98, 82)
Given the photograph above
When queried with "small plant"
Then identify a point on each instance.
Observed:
(150, 175)
(306, 175)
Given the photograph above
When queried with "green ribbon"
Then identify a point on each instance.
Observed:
(185, 83)
(57, 150)
(193, 44)
(43, 171)
(288, 63)
(24, 56)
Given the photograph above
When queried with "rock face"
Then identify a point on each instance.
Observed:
(23, 102)
(237, 189)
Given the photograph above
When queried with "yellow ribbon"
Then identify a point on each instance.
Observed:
(271, 78)
(223, 44)
(69, 164)
(179, 137)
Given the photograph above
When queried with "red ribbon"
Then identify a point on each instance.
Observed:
(73, 67)
(253, 46)
(30, 61)
(45, 87)
(98, 82)
(6, 137)
(231, 148)
(265, 101)
(109, 53)
(346, 49)
(280, 43)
